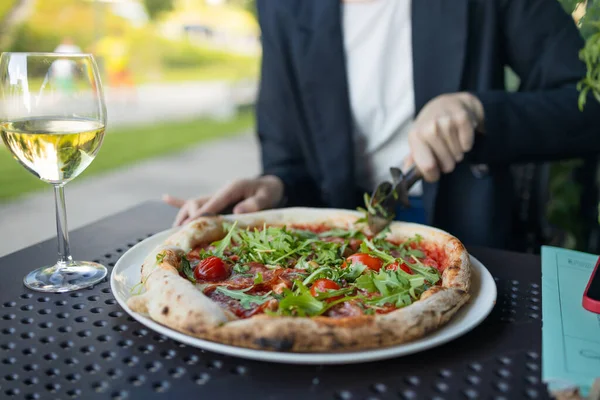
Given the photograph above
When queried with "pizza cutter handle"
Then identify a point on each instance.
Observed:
(411, 177)
(403, 186)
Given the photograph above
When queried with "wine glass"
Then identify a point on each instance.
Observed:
(52, 119)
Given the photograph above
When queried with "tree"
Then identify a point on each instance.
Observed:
(156, 7)
(589, 26)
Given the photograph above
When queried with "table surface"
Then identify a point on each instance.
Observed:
(82, 344)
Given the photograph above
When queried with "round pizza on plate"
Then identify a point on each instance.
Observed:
(304, 280)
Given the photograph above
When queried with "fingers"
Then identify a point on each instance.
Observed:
(465, 127)
(182, 215)
(230, 194)
(173, 201)
(424, 158)
(443, 132)
(450, 134)
(188, 208)
(259, 201)
(434, 136)
(252, 194)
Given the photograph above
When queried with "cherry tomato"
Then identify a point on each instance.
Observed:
(322, 286)
(403, 267)
(371, 262)
(212, 269)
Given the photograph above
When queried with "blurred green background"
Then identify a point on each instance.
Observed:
(170, 46)
(163, 43)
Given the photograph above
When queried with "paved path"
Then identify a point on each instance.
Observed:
(176, 101)
(200, 170)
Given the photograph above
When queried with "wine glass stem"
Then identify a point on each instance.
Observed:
(64, 252)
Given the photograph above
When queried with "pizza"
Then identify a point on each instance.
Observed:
(304, 280)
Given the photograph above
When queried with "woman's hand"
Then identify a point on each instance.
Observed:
(246, 195)
(443, 132)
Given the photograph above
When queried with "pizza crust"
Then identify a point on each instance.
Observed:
(175, 302)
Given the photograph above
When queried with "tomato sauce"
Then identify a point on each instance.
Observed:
(315, 228)
(435, 256)
(388, 308)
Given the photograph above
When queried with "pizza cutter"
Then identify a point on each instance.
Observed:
(387, 195)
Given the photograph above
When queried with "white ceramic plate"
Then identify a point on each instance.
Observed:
(126, 274)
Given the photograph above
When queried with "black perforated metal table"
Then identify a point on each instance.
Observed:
(82, 344)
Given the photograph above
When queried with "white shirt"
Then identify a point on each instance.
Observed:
(378, 46)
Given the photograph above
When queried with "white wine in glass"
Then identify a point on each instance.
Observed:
(52, 119)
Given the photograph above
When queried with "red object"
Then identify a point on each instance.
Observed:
(212, 269)
(403, 267)
(322, 286)
(371, 262)
(591, 295)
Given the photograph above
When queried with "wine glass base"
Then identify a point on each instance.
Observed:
(65, 278)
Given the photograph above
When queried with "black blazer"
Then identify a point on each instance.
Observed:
(304, 120)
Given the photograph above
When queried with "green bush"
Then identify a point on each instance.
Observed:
(185, 55)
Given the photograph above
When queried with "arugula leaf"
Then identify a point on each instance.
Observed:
(246, 300)
(241, 268)
(383, 234)
(333, 293)
(222, 244)
(406, 250)
(365, 216)
(354, 271)
(304, 234)
(365, 282)
(368, 206)
(430, 274)
(370, 248)
(302, 263)
(300, 302)
(322, 272)
(349, 274)
(416, 239)
(293, 251)
(413, 253)
(395, 287)
(258, 279)
(364, 211)
(398, 299)
(342, 233)
(416, 281)
(187, 269)
(277, 246)
(137, 289)
(271, 245)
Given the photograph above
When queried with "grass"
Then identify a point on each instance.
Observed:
(127, 146)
